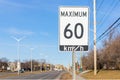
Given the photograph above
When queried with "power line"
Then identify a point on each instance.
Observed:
(109, 32)
(103, 19)
(113, 5)
(110, 28)
(108, 14)
(100, 5)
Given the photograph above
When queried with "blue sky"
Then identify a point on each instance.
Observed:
(37, 20)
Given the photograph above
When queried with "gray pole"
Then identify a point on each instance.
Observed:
(81, 68)
(18, 52)
(73, 65)
(31, 49)
(95, 54)
(18, 63)
(40, 64)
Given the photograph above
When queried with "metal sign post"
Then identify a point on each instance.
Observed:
(73, 65)
(81, 67)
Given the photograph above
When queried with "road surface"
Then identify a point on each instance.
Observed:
(40, 76)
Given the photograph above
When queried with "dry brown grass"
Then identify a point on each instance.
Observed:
(66, 76)
(103, 74)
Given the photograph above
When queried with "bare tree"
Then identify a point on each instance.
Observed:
(108, 56)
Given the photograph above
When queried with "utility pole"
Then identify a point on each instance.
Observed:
(95, 53)
(18, 52)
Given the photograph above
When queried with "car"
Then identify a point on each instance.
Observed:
(22, 70)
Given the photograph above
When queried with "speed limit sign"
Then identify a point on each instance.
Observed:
(73, 31)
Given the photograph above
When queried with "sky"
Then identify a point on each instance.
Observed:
(37, 21)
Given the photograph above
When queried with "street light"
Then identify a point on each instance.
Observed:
(45, 56)
(18, 52)
(41, 62)
(46, 62)
(31, 50)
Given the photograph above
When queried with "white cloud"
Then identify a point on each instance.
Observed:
(15, 4)
(16, 31)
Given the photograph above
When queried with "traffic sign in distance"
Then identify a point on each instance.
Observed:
(73, 28)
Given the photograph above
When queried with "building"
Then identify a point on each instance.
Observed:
(59, 67)
(12, 66)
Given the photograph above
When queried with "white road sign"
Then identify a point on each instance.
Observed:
(73, 23)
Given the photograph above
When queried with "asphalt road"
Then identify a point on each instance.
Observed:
(41, 76)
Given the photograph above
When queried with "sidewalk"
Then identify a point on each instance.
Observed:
(78, 77)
